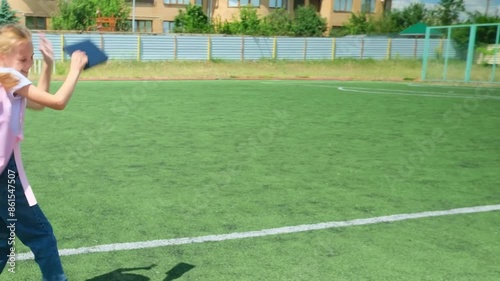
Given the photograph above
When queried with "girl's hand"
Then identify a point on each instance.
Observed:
(78, 60)
(47, 51)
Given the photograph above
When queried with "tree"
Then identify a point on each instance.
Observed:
(485, 34)
(6, 14)
(357, 24)
(277, 23)
(81, 14)
(387, 23)
(192, 20)
(249, 23)
(447, 12)
(307, 22)
(410, 15)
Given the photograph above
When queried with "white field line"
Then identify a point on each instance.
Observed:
(453, 87)
(264, 232)
(414, 93)
(333, 82)
(363, 90)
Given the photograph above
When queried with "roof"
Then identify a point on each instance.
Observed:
(418, 30)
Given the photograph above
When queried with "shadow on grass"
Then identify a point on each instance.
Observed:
(123, 274)
(178, 270)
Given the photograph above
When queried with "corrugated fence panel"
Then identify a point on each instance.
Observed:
(157, 48)
(375, 48)
(123, 47)
(70, 39)
(348, 48)
(192, 47)
(402, 48)
(256, 48)
(290, 48)
(319, 48)
(226, 48)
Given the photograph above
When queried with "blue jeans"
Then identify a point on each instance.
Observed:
(29, 225)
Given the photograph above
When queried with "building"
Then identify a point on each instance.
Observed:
(157, 16)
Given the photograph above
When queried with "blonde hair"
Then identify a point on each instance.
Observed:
(10, 36)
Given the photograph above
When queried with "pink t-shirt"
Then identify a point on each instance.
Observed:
(12, 109)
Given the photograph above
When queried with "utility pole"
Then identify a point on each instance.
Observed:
(133, 16)
(487, 7)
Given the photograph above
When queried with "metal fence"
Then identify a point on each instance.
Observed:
(214, 47)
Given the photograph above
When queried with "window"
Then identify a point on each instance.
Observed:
(277, 4)
(342, 5)
(168, 26)
(37, 23)
(142, 25)
(176, 2)
(199, 2)
(368, 6)
(243, 3)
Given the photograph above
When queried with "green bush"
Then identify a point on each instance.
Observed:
(229, 28)
(277, 23)
(192, 20)
(337, 31)
(249, 23)
(308, 23)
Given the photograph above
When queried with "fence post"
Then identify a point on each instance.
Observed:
(445, 54)
(242, 47)
(470, 53)
(426, 51)
(274, 47)
(102, 42)
(209, 48)
(362, 47)
(389, 47)
(175, 47)
(138, 47)
(495, 56)
(333, 48)
(305, 48)
(62, 47)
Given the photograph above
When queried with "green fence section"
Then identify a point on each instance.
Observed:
(477, 47)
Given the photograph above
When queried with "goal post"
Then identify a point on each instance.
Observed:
(467, 53)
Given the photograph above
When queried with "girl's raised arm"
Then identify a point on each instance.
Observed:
(61, 98)
(48, 62)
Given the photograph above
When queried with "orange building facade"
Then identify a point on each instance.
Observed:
(157, 16)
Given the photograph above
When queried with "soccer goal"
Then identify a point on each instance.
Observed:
(464, 53)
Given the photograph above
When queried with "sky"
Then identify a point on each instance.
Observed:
(470, 5)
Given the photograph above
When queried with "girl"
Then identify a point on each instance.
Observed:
(19, 211)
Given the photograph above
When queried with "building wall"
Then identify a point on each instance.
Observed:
(159, 12)
(33, 8)
(339, 18)
(223, 12)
